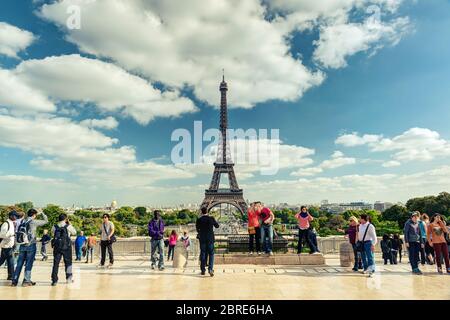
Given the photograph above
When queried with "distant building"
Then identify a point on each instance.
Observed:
(342, 207)
(382, 206)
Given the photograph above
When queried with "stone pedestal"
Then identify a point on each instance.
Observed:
(276, 259)
(180, 256)
(346, 254)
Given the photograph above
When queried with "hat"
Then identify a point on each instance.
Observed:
(415, 214)
(13, 214)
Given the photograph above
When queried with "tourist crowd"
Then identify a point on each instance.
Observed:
(426, 240)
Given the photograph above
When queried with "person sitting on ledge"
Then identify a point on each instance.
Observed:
(304, 219)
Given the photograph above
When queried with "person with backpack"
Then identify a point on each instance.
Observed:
(156, 233)
(7, 236)
(44, 241)
(26, 239)
(107, 239)
(367, 239)
(62, 247)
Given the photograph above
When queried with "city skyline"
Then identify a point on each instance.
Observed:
(357, 89)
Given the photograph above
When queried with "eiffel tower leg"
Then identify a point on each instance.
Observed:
(232, 179)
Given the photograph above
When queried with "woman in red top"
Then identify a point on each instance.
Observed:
(253, 228)
(172, 243)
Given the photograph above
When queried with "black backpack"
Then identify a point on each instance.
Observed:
(61, 240)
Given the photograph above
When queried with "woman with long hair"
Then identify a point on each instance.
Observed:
(436, 239)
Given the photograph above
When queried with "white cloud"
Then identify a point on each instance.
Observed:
(21, 98)
(13, 39)
(112, 89)
(415, 144)
(107, 123)
(341, 40)
(354, 139)
(337, 160)
(369, 187)
(213, 35)
(60, 144)
(390, 164)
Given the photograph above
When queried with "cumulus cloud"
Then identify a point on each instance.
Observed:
(20, 97)
(13, 40)
(338, 159)
(339, 41)
(369, 187)
(112, 89)
(415, 144)
(213, 35)
(107, 123)
(60, 144)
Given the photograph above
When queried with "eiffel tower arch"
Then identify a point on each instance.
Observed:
(224, 166)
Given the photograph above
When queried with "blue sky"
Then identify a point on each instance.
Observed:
(365, 119)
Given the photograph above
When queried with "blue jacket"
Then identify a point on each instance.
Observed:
(156, 229)
(412, 234)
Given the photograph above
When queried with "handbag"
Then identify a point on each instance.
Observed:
(112, 238)
(360, 244)
(251, 230)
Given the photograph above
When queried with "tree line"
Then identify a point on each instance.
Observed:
(126, 218)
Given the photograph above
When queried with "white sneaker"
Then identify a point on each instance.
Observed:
(250, 253)
(110, 266)
(259, 253)
(270, 253)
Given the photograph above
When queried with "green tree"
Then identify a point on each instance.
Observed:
(25, 206)
(125, 215)
(396, 213)
(140, 212)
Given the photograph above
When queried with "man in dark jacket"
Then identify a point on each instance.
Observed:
(413, 241)
(205, 225)
(156, 233)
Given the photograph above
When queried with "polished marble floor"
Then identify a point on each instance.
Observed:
(133, 279)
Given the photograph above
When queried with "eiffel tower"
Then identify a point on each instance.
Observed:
(224, 165)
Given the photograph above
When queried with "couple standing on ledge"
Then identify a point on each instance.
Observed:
(261, 231)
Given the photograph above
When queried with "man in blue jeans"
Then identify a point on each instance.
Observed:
(27, 250)
(267, 218)
(205, 227)
(413, 241)
(368, 237)
(156, 233)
